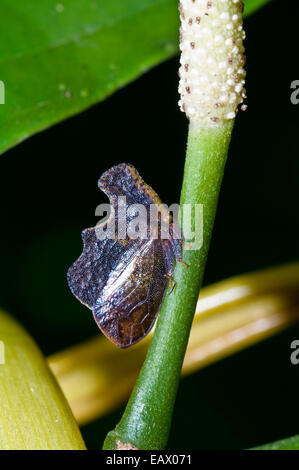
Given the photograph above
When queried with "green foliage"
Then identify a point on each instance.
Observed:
(252, 5)
(59, 58)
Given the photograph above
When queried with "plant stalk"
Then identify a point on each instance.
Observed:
(147, 419)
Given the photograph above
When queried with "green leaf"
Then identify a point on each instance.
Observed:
(252, 5)
(291, 443)
(59, 58)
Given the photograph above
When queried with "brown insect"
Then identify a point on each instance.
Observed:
(123, 280)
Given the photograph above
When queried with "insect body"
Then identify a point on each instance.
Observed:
(123, 279)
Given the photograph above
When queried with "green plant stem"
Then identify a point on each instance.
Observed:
(147, 419)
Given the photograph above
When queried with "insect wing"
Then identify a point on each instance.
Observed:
(89, 274)
(129, 302)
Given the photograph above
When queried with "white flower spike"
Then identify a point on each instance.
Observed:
(212, 74)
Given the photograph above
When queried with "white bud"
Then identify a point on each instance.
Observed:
(212, 58)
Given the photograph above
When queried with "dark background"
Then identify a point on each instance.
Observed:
(49, 194)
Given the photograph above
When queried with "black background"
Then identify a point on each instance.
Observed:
(49, 194)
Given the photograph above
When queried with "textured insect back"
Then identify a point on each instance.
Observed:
(212, 74)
